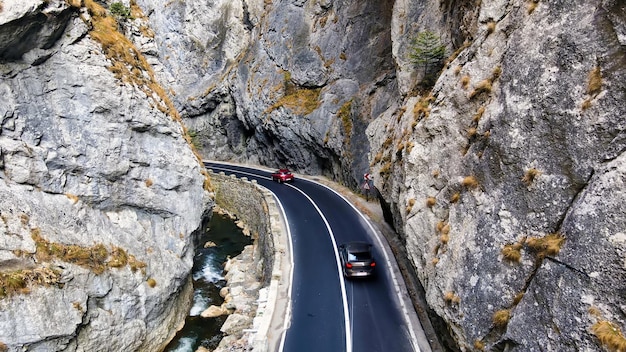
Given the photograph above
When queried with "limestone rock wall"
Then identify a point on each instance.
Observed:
(99, 191)
(506, 179)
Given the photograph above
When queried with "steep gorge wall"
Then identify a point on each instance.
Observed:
(506, 179)
(99, 192)
(503, 180)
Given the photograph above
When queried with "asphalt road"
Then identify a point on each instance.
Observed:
(328, 312)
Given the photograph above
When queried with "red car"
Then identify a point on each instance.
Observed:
(282, 175)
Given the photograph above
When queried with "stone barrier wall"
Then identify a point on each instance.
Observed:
(247, 201)
(256, 207)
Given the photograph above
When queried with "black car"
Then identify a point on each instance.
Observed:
(357, 259)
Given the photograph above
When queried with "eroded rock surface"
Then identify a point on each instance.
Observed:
(98, 190)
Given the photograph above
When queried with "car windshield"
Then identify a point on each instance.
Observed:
(359, 256)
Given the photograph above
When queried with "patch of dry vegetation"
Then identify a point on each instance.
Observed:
(470, 182)
(21, 281)
(532, 5)
(301, 102)
(609, 335)
(421, 109)
(486, 85)
(594, 87)
(451, 298)
(410, 205)
(512, 252)
(594, 81)
(96, 258)
(345, 114)
(549, 245)
(455, 197)
(501, 318)
(491, 27)
(530, 175)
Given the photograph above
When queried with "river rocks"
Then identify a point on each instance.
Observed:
(213, 312)
(240, 301)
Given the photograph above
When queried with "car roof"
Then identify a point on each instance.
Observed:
(282, 170)
(358, 246)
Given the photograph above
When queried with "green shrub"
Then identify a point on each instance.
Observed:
(119, 10)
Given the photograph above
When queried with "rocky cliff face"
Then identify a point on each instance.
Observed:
(507, 179)
(504, 179)
(99, 191)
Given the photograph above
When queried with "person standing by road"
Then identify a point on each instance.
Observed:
(367, 186)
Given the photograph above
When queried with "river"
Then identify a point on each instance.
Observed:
(208, 279)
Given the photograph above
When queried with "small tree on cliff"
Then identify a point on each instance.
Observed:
(427, 51)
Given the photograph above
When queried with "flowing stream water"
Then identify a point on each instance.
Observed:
(208, 279)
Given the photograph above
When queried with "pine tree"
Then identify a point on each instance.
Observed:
(427, 51)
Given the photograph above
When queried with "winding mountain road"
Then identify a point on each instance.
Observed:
(328, 312)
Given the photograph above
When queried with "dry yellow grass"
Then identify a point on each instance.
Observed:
(518, 298)
(491, 27)
(548, 245)
(74, 198)
(410, 205)
(421, 109)
(470, 182)
(455, 197)
(609, 335)
(300, 102)
(149, 182)
(594, 311)
(96, 258)
(594, 84)
(483, 86)
(444, 238)
(501, 318)
(409, 147)
(451, 298)
(465, 80)
(471, 132)
(435, 261)
(431, 201)
(151, 282)
(512, 252)
(479, 345)
(479, 114)
(440, 225)
(532, 5)
(496, 73)
(20, 281)
(530, 175)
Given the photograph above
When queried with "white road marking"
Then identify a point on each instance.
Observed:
(337, 260)
(388, 261)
